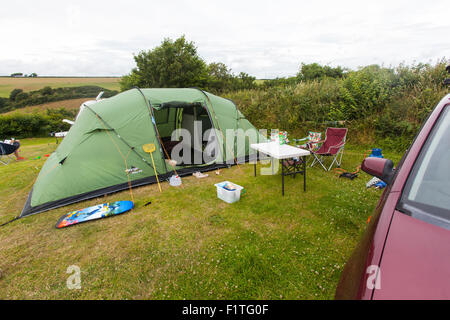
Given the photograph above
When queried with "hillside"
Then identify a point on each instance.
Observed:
(71, 104)
(7, 84)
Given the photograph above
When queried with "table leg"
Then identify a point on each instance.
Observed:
(304, 174)
(282, 179)
(255, 168)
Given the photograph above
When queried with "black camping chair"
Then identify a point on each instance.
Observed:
(6, 150)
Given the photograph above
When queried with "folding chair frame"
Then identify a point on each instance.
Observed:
(5, 162)
(320, 159)
(308, 143)
(3, 155)
(337, 156)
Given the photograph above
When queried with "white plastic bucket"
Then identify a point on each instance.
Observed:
(175, 181)
(228, 196)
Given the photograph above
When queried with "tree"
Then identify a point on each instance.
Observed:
(316, 71)
(311, 71)
(21, 96)
(14, 93)
(173, 64)
(3, 104)
(246, 81)
(331, 72)
(46, 91)
(129, 81)
(220, 77)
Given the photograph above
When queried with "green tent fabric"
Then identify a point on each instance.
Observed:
(106, 140)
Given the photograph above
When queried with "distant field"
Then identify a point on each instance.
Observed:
(7, 84)
(71, 104)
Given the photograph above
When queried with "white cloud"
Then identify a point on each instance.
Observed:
(263, 38)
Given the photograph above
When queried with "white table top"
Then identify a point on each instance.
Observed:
(277, 151)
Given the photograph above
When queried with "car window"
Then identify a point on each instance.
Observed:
(427, 190)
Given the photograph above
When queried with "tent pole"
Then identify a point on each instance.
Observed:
(152, 119)
(118, 136)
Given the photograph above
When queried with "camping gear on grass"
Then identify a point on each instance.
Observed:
(372, 182)
(352, 175)
(171, 162)
(345, 174)
(281, 153)
(376, 152)
(279, 137)
(199, 175)
(228, 191)
(349, 175)
(106, 140)
(6, 150)
(175, 181)
(93, 213)
(150, 148)
(312, 141)
(380, 185)
(332, 146)
(375, 182)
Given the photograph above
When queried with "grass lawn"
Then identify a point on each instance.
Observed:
(187, 244)
(7, 84)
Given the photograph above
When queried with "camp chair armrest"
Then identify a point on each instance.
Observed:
(308, 145)
(338, 145)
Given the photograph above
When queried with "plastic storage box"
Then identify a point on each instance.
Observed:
(229, 196)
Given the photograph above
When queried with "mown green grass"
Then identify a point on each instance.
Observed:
(187, 244)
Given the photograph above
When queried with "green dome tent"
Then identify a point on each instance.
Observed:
(102, 152)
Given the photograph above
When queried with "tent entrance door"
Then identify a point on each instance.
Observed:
(185, 132)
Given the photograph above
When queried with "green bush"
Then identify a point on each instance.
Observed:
(23, 125)
(315, 71)
(34, 125)
(379, 105)
(14, 93)
(4, 104)
(46, 91)
(279, 82)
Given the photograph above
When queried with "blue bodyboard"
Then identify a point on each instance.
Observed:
(93, 213)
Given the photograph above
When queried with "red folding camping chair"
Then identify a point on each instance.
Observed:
(332, 146)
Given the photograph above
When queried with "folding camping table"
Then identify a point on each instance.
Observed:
(284, 152)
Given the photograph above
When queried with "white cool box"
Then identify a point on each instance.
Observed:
(229, 196)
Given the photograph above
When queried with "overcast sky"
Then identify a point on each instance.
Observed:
(263, 38)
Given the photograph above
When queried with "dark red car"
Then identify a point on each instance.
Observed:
(405, 251)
